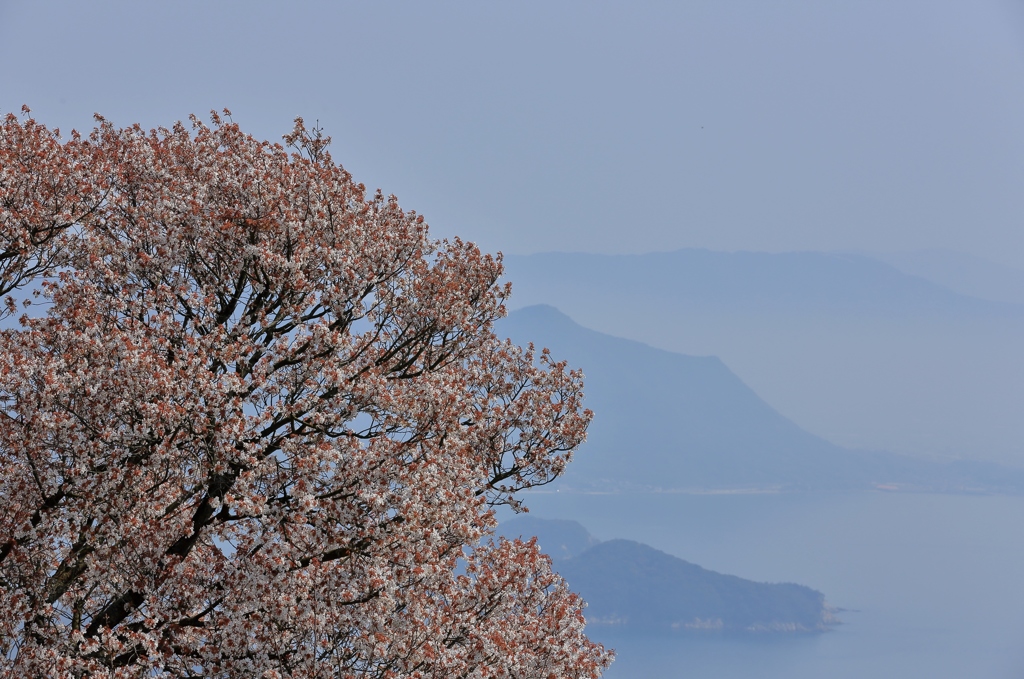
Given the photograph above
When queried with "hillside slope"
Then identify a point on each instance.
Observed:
(669, 421)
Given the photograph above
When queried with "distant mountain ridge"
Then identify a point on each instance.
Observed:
(629, 584)
(966, 274)
(788, 282)
(850, 348)
(670, 422)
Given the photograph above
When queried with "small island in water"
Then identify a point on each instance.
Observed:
(632, 585)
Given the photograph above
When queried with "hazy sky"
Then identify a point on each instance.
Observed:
(590, 126)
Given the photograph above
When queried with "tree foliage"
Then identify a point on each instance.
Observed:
(260, 426)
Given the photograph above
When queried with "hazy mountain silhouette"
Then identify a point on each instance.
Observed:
(965, 274)
(630, 584)
(850, 348)
(670, 421)
(790, 282)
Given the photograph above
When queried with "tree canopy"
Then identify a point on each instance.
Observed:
(259, 421)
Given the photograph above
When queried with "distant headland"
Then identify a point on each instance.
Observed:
(634, 586)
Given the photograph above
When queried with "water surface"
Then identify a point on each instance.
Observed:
(933, 584)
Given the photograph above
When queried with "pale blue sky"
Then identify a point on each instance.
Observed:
(591, 126)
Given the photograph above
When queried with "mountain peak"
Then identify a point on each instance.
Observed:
(544, 312)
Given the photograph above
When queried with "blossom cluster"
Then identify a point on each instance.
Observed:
(261, 425)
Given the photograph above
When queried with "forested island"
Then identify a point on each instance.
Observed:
(633, 585)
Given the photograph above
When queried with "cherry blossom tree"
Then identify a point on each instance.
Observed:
(44, 189)
(259, 423)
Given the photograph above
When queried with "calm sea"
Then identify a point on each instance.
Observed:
(933, 585)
